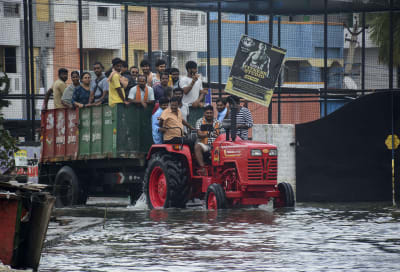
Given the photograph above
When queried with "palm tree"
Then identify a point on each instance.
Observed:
(380, 27)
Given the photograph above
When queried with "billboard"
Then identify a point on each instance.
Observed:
(255, 70)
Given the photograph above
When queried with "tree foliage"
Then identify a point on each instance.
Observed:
(380, 35)
(7, 143)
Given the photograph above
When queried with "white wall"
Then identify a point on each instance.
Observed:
(10, 26)
(99, 33)
(96, 33)
(283, 136)
(16, 109)
(66, 10)
(376, 72)
(185, 38)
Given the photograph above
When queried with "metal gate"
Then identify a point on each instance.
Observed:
(343, 157)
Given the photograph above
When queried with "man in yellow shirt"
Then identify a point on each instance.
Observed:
(171, 124)
(57, 89)
(116, 92)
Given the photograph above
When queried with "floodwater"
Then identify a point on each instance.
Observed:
(311, 237)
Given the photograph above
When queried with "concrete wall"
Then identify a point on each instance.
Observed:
(283, 136)
(185, 38)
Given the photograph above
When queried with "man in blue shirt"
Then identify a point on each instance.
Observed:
(222, 109)
(155, 122)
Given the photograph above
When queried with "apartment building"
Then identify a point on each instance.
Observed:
(101, 29)
(12, 53)
(137, 33)
(188, 37)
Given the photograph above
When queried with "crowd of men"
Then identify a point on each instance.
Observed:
(171, 93)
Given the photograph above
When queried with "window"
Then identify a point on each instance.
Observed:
(85, 11)
(85, 57)
(203, 19)
(102, 13)
(8, 59)
(114, 13)
(291, 71)
(253, 18)
(189, 19)
(164, 16)
(11, 9)
(138, 56)
(16, 83)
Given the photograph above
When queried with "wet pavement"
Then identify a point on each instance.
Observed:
(110, 235)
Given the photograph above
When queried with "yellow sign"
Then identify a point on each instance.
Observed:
(21, 158)
(395, 140)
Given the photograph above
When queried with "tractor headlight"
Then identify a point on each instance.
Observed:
(273, 152)
(256, 152)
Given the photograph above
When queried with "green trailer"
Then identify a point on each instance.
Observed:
(89, 151)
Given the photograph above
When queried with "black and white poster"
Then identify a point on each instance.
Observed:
(255, 70)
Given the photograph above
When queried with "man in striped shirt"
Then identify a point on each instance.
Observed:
(244, 120)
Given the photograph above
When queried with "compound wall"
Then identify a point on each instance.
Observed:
(283, 136)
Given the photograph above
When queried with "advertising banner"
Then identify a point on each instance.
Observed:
(255, 70)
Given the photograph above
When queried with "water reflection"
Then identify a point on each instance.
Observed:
(312, 237)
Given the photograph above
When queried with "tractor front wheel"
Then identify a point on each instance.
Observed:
(215, 197)
(166, 182)
(286, 198)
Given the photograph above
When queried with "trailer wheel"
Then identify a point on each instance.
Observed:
(166, 182)
(66, 187)
(287, 195)
(215, 197)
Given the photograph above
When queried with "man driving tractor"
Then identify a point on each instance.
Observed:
(208, 129)
(171, 124)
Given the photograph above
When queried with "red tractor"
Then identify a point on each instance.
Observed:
(238, 173)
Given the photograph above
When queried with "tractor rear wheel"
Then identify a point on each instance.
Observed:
(166, 182)
(286, 198)
(215, 197)
(66, 187)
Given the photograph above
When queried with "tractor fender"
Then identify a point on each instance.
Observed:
(184, 152)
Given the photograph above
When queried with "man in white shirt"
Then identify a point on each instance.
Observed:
(191, 84)
(141, 94)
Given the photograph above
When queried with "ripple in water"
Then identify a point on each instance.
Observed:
(312, 237)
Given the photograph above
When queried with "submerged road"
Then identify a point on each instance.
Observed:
(110, 235)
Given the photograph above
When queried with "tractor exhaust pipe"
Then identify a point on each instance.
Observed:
(233, 104)
(233, 122)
